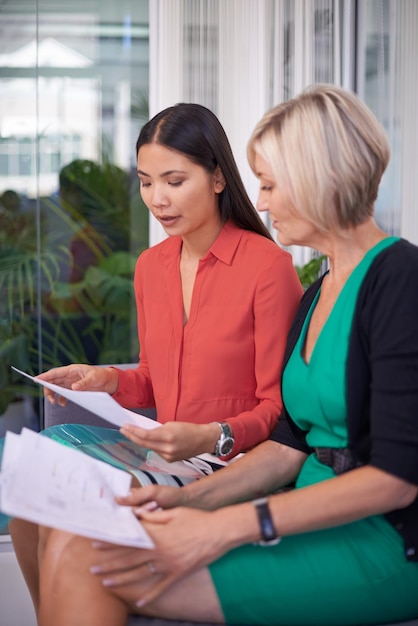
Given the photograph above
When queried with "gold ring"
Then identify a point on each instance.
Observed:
(151, 567)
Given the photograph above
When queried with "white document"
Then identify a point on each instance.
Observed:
(103, 405)
(99, 402)
(45, 482)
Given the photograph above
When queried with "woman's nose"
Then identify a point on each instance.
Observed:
(159, 197)
(261, 205)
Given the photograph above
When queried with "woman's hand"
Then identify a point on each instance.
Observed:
(175, 441)
(80, 378)
(185, 540)
(153, 497)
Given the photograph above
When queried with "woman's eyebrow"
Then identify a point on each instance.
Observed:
(163, 174)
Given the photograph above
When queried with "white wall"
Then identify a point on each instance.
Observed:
(15, 604)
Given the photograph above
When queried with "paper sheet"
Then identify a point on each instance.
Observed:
(47, 483)
(103, 405)
(99, 402)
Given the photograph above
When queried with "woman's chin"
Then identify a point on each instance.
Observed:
(283, 240)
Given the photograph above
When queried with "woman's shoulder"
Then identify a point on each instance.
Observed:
(167, 247)
(392, 278)
(401, 258)
(400, 248)
(260, 245)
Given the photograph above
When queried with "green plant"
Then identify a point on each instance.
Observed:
(13, 351)
(66, 278)
(309, 272)
(92, 321)
(23, 275)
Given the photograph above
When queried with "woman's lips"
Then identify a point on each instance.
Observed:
(168, 219)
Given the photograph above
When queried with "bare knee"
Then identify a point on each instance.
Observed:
(67, 583)
(64, 552)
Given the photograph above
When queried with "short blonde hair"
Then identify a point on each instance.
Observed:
(328, 150)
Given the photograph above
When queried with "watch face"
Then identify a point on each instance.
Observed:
(226, 446)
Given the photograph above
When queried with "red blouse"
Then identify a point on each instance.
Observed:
(224, 364)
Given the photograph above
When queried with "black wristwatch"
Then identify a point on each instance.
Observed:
(269, 537)
(226, 440)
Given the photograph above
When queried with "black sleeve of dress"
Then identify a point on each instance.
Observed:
(287, 433)
(387, 327)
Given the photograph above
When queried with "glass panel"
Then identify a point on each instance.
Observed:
(73, 96)
(376, 84)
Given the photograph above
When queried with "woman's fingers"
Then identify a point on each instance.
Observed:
(115, 561)
(134, 568)
(80, 377)
(175, 441)
(151, 498)
(63, 376)
(98, 379)
(53, 397)
(155, 590)
(146, 574)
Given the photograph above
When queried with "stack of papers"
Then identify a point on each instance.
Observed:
(47, 483)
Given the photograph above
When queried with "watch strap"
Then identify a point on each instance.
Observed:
(268, 532)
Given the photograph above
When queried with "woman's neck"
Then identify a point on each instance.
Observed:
(196, 245)
(346, 250)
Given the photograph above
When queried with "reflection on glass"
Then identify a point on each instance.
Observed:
(73, 96)
(377, 75)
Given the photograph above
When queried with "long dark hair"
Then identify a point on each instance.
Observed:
(196, 132)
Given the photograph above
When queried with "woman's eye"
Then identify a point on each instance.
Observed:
(266, 188)
(175, 183)
(142, 184)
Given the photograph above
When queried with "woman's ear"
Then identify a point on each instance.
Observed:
(219, 182)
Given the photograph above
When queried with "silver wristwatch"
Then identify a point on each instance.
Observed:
(226, 440)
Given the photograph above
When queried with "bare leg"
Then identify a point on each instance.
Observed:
(25, 538)
(70, 594)
(191, 599)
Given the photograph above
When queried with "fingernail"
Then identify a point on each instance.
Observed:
(149, 506)
(95, 569)
(107, 582)
(140, 603)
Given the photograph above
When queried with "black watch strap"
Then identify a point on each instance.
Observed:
(269, 536)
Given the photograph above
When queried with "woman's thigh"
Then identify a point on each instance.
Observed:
(66, 566)
(192, 598)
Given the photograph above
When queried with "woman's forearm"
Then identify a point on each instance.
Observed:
(266, 468)
(341, 500)
(357, 494)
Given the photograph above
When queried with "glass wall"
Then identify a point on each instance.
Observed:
(73, 96)
(378, 66)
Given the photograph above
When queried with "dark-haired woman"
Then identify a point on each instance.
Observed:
(215, 300)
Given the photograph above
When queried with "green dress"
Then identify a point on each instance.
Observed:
(352, 574)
